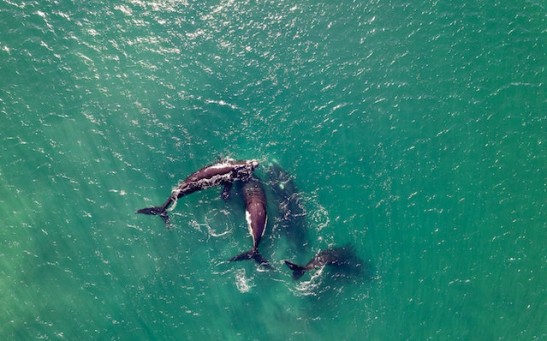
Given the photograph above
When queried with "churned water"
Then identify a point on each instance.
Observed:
(414, 132)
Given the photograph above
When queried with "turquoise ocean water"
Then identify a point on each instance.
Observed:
(414, 130)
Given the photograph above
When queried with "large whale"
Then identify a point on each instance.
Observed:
(257, 218)
(221, 173)
(342, 258)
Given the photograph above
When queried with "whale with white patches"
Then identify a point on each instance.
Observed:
(257, 219)
(221, 173)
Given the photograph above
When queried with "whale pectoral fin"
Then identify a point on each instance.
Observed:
(226, 191)
(297, 270)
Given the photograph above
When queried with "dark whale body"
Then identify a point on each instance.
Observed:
(221, 173)
(257, 218)
(291, 212)
(343, 258)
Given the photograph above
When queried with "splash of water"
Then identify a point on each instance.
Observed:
(243, 283)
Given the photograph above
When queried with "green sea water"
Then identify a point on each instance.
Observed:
(414, 130)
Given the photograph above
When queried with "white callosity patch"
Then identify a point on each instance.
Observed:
(201, 184)
(249, 224)
(265, 224)
(221, 165)
(214, 180)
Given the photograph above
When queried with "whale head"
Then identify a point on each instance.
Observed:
(244, 169)
(252, 164)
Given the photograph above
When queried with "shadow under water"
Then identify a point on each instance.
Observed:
(291, 215)
(338, 263)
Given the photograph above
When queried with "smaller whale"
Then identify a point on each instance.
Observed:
(342, 258)
(256, 216)
(221, 173)
(291, 211)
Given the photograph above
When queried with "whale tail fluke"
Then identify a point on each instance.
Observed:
(297, 270)
(252, 254)
(156, 210)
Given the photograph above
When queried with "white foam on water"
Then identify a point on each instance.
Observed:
(243, 283)
(310, 287)
(218, 227)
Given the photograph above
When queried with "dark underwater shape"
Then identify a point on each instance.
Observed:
(257, 218)
(292, 215)
(221, 173)
(343, 259)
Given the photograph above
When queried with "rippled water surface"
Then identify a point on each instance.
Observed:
(413, 133)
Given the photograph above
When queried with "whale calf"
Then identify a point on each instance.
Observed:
(342, 257)
(291, 212)
(256, 216)
(221, 173)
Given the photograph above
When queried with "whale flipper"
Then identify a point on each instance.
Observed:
(252, 254)
(226, 191)
(297, 270)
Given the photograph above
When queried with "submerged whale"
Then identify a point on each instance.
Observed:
(221, 173)
(343, 258)
(291, 212)
(257, 218)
